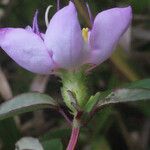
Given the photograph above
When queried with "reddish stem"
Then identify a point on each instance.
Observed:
(73, 138)
(65, 116)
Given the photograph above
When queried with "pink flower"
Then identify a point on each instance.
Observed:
(64, 45)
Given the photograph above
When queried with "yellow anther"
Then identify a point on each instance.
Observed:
(85, 34)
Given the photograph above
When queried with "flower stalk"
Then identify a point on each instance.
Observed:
(74, 135)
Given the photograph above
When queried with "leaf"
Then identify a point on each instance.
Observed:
(91, 102)
(54, 144)
(25, 103)
(94, 100)
(145, 84)
(125, 95)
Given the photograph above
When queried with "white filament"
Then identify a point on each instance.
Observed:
(46, 15)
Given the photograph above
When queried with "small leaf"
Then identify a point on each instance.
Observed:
(91, 102)
(25, 103)
(54, 144)
(125, 95)
(94, 100)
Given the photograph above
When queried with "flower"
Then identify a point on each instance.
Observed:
(64, 45)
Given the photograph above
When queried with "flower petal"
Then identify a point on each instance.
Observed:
(63, 37)
(108, 27)
(27, 49)
(125, 40)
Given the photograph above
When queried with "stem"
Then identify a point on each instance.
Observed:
(73, 138)
(65, 116)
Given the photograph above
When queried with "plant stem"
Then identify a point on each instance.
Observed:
(73, 138)
(65, 116)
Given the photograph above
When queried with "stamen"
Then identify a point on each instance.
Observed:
(85, 34)
(90, 14)
(58, 5)
(46, 15)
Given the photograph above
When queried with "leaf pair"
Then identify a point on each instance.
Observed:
(136, 91)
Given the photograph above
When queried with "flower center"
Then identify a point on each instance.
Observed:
(85, 34)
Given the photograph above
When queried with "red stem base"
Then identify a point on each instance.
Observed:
(73, 138)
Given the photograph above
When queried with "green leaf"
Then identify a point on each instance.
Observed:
(125, 95)
(54, 144)
(25, 103)
(145, 84)
(92, 102)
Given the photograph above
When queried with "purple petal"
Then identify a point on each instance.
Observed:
(27, 49)
(63, 37)
(108, 27)
(125, 40)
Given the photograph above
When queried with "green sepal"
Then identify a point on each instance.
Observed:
(92, 102)
(76, 83)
